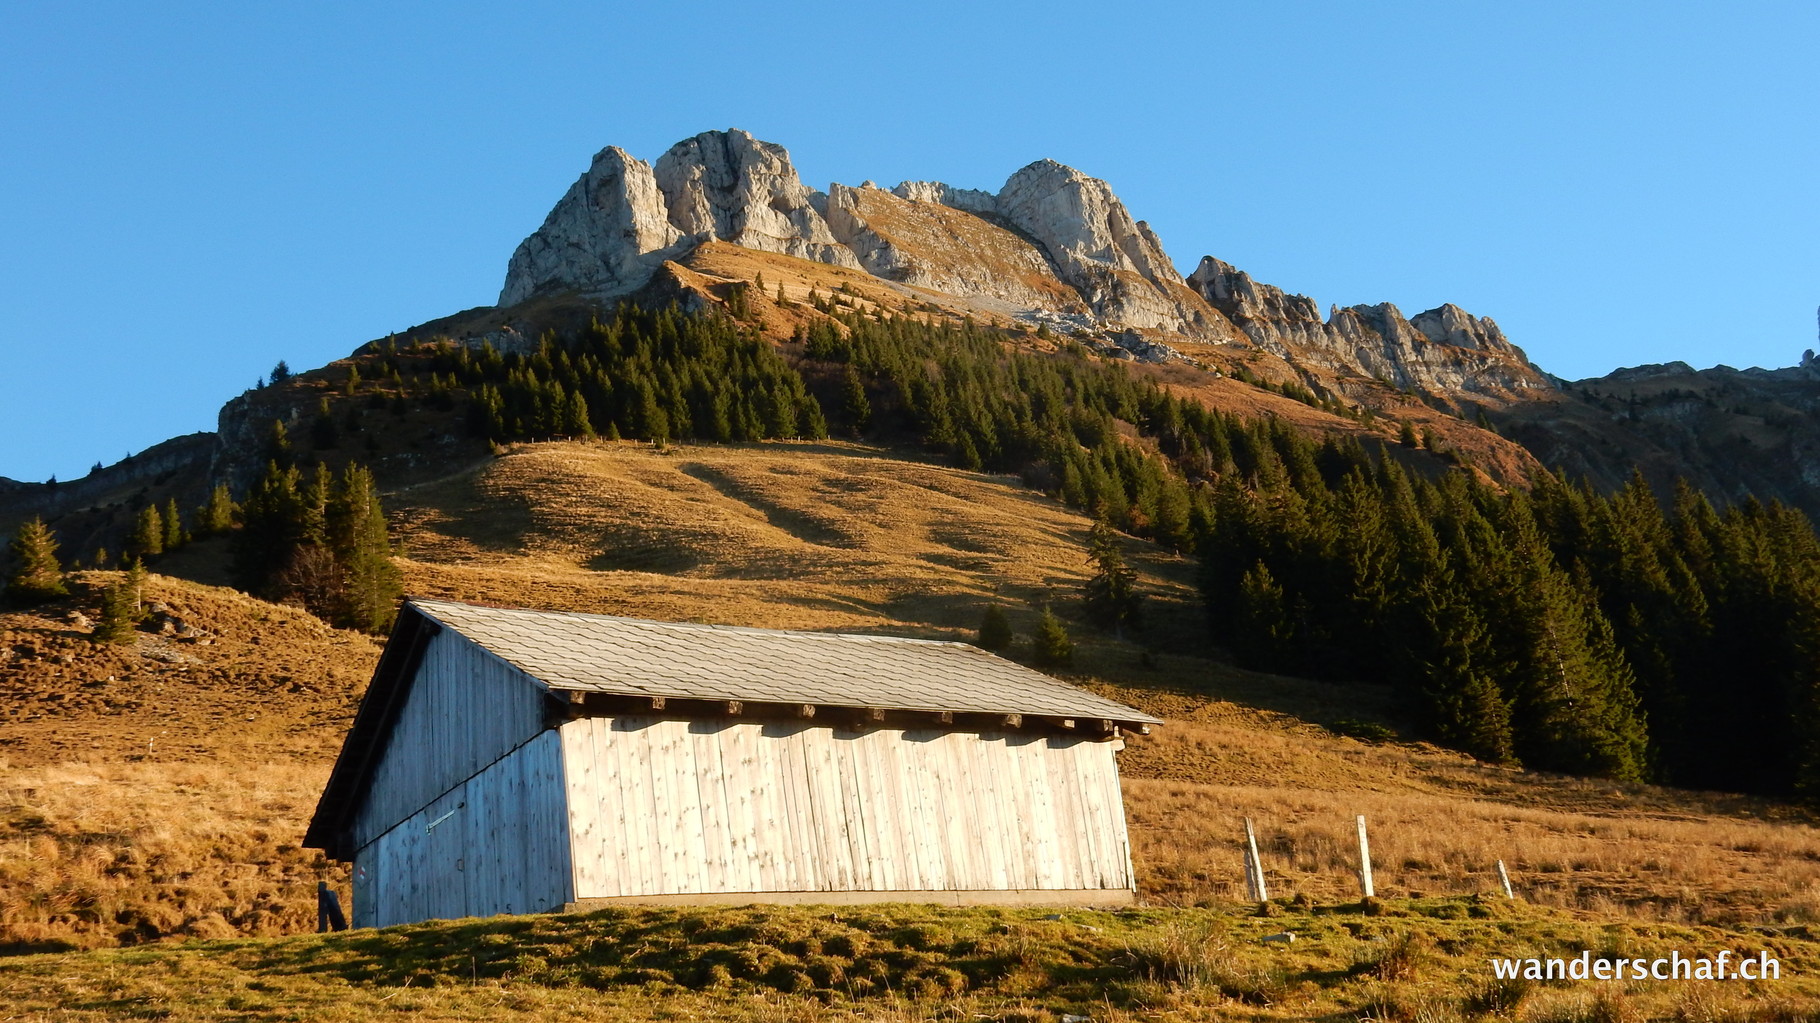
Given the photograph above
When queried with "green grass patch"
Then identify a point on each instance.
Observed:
(1417, 960)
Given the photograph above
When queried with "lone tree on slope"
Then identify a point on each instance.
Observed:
(36, 576)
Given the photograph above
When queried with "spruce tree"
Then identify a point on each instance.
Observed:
(216, 516)
(1050, 645)
(856, 410)
(273, 515)
(1264, 634)
(363, 550)
(324, 433)
(174, 535)
(115, 622)
(35, 576)
(121, 606)
(1112, 598)
(147, 537)
(278, 444)
(995, 630)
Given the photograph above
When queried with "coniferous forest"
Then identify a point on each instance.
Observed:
(1628, 635)
(1619, 635)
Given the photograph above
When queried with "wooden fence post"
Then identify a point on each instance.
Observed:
(1254, 867)
(1504, 878)
(1365, 861)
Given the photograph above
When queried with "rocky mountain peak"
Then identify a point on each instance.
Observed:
(1053, 244)
(1117, 263)
(605, 236)
(728, 186)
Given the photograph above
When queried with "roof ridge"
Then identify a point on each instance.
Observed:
(585, 651)
(716, 626)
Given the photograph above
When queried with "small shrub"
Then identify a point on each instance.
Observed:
(1499, 998)
(1394, 959)
(1365, 731)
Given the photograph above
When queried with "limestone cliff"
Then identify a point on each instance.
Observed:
(919, 240)
(1117, 264)
(1441, 351)
(1053, 241)
(1053, 245)
(605, 236)
(728, 186)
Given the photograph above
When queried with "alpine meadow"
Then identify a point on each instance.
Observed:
(1553, 646)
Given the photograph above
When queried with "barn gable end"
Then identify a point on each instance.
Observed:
(464, 709)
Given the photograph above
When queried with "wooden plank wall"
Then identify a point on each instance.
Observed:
(661, 807)
(496, 843)
(466, 709)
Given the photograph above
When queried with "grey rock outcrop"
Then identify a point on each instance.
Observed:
(970, 199)
(1052, 245)
(1053, 241)
(604, 237)
(622, 219)
(728, 186)
(1116, 263)
(1274, 320)
(1440, 351)
(910, 236)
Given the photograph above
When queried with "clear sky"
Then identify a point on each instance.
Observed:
(190, 193)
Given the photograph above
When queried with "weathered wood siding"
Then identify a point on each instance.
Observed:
(466, 709)
(496, 843)
(660, 807)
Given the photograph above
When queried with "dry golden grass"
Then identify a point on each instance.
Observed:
(230, 675)
(110, 853)
(199, 839)
(1439, 821)
(821, 536)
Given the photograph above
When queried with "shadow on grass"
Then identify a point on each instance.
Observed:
(823, 953)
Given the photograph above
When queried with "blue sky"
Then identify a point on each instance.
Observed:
(190, 193)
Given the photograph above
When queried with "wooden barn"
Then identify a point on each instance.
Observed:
(514, 761)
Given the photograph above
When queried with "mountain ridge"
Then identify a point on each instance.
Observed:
(1052, 245)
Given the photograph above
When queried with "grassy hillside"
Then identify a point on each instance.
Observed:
(167, 800)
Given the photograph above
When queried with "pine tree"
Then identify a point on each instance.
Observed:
(174, 535)
(273, 514)
(324, 433)
(362, 546)
(1050, 645)
(36, 575)
(115, 622)
(855, 408)
(147, 537)
(1112, 598)
(995, 630)
(217, 515)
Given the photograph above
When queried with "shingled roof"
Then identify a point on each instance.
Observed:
(590, 653)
